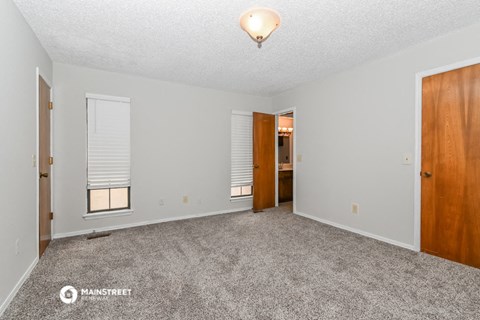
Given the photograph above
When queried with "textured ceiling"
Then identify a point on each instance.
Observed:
(200, 42)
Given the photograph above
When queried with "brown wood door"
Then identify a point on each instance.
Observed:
(263, 161)
(44, 167)
(450, 225)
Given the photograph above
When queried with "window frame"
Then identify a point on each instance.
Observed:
(241, 196)
(109, 200)
(105, 213)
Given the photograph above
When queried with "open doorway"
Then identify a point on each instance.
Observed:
(285, 157)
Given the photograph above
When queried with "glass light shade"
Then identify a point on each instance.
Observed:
(259, 23)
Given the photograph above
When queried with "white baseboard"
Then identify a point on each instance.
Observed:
(17, 287)
(361, 232)
(144, 223)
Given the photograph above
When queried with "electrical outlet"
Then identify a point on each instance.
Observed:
(185, 199)
(34, 160)
(355, 208)
(17, 247)
(299, 158)
(161, 202)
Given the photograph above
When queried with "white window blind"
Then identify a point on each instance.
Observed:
(242, 149)
(108, 144)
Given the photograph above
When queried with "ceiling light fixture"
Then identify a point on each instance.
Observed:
(259, 23)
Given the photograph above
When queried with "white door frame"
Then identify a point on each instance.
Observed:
(40, 73)
(278, 113)
(418, 138)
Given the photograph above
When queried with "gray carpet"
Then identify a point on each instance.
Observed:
(271, 265)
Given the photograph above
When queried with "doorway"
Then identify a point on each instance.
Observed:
(285, 159)
(450, 162)
(44, 165)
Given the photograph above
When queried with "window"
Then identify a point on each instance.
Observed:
(108, 163)
(242, 155)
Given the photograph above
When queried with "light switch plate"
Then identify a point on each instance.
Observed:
(299, 158)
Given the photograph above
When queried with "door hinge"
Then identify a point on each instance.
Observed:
(50, 160)
(50, 105)
(51, 215)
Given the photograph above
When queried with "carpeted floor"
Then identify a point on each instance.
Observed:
(271, 265)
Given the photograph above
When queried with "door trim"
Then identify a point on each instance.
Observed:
(278, 113)
(40, 73)
(417, 199)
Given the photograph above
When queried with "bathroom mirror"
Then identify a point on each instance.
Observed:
(283, 149)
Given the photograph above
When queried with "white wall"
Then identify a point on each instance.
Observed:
(180, 146)
(352, 129)
(285, 122)
(20, 54)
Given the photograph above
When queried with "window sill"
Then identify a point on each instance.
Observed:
(107, 214)
(238, 199)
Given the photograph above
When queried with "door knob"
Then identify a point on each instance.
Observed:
(427, 174)
(43, 174)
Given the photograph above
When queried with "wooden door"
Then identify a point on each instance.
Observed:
(450, 225)
(263, 161)
(44, 167)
